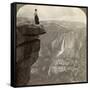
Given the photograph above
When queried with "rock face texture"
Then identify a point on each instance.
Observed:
(27, 50)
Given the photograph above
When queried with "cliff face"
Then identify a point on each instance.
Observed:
(27, 49)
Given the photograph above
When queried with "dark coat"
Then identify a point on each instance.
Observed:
(36, 19)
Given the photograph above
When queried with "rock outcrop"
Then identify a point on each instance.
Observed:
(27, 50)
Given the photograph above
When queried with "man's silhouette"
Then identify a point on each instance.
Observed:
(36, 18)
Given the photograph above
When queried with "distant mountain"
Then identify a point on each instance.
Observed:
(59, 30)
(62, 48)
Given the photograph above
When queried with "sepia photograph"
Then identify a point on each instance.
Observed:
(51, 44)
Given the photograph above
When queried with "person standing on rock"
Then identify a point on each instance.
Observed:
(36, 18)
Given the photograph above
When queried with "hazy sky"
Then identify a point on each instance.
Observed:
(52, 13)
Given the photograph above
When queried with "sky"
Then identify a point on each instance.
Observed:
(52, 13)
